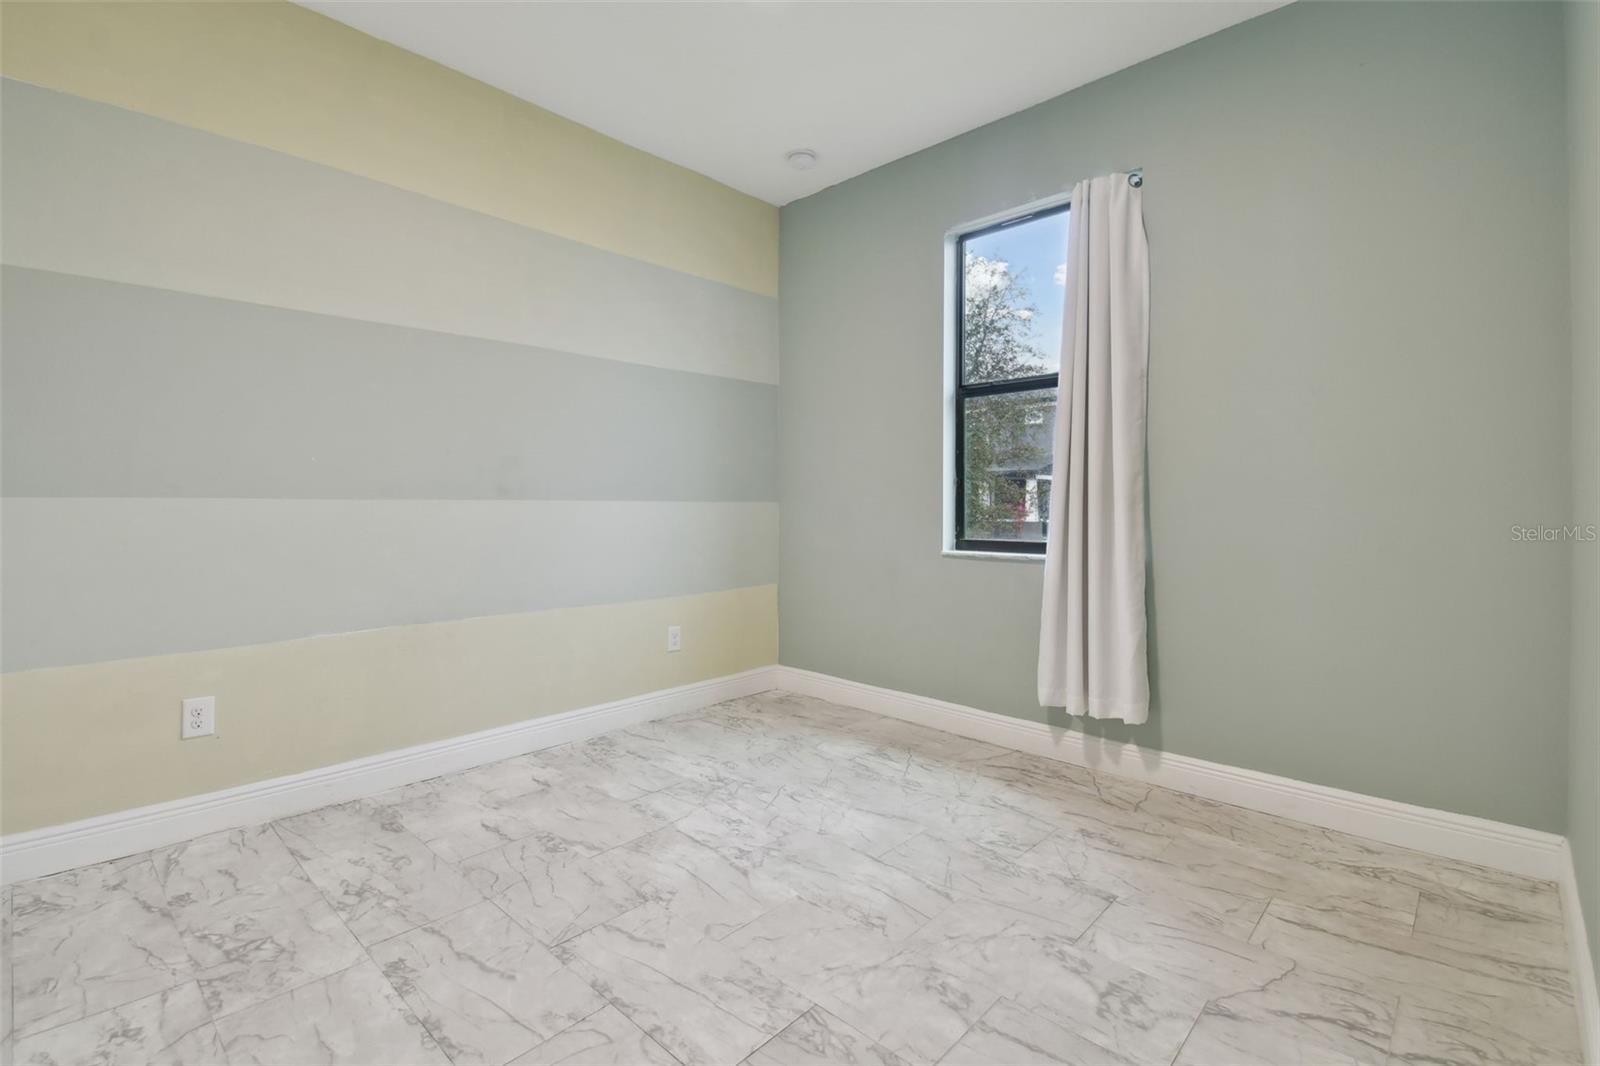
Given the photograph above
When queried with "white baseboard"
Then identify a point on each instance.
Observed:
(63, 847)
(1584, 985)
(1514, 849)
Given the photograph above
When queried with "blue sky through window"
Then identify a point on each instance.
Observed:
(1036, 254)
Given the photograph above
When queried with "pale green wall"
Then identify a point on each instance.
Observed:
(1359, 383)
(1583, 124)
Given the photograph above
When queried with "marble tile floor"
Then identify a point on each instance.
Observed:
(780, 880)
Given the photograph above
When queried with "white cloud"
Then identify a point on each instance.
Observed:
(986, 275)
(1061, 275)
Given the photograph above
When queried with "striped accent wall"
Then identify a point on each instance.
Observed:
(379, 404)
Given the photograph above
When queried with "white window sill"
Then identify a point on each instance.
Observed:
(999, 557)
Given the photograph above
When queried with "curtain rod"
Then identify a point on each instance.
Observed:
(1136, 177)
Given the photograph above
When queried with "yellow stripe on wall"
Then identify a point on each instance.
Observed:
(297, 705)
(280, 76)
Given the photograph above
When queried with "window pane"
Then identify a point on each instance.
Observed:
(1006, 452)
(1013, 289)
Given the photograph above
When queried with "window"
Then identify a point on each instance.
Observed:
(1010, 288)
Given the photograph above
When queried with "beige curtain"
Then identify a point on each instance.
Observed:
(1092, 628)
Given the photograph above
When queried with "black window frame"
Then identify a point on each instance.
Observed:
(965, 392)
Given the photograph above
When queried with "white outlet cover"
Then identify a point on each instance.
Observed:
(674, 638)
(199, 717)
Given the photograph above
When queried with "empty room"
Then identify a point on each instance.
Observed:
(799, 532)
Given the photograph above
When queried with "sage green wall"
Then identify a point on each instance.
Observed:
(1359, 381)
(1583, 125)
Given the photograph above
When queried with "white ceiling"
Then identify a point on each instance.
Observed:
(728, 88)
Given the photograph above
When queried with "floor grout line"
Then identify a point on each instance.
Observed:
(614, 1005)
(968, 1030)
(365, 950)
(1250, 938)
(8, 1040)
(1192, 1026)
(1112, 902)
(183, 938)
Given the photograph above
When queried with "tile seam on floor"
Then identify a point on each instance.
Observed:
(366, 953)
(445, 917)
(137, 858)
(606, 1003)
(444, 1047)
(1251, 938)
(1193, 1024)
(618, 1007)
(644, 902)
(767, 1042)
(120, 1006)
(529, 836)
(494, 902)
(195, 967)
(967, 1031)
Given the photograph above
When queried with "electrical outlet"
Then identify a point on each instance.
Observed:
(674, 638)
(199, 717)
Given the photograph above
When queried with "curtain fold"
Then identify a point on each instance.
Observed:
(1092, 626)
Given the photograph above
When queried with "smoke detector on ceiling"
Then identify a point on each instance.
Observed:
(802, 159)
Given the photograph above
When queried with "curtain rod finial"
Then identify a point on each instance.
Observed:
(1136, 178)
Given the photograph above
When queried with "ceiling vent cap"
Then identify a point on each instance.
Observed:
(802, 158)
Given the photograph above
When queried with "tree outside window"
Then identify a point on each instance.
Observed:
(1009, 352)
